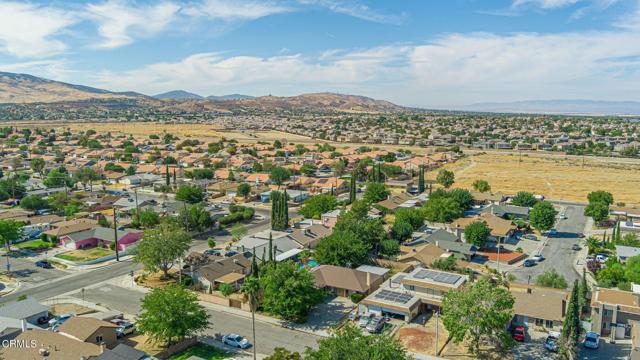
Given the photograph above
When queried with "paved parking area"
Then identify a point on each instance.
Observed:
(326, 314)
(25, 270)
(606, 351)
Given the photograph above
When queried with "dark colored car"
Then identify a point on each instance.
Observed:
(575, 247)
(529, 263)
(44, 264)
(231, 253)
(213, 252)
(518, 334)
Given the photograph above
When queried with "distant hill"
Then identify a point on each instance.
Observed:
(24, 88)
(177, 94)
(230, 97)
(577, 106)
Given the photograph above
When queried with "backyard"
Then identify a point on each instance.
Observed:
(85, 254)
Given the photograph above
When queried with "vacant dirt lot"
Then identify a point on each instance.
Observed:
(555, 178)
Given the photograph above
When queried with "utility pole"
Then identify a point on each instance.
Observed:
(7, 256)
(435, 352)
(115, 233)
(135, 191)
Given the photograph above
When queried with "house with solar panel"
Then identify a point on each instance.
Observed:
(406, 295)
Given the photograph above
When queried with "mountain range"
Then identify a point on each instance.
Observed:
(29, 89)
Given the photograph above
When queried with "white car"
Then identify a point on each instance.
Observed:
(125, 329)
(59, 320)
(601, 258)
(537, 258)
(236, 340)
(591, 340)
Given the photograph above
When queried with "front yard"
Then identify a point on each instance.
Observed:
(85, 254)
(34, 245)
(203, 351)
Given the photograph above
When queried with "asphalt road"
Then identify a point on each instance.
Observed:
(268, 336)
(558, 254)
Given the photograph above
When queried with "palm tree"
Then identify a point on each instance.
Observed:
(251, 288)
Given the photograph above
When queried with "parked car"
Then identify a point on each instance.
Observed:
(230, 253)
(236, 340)
(59, 320)
(44, 264)
(589, 258)
(537, 258)
(214, 252)
(591, 340)
(518, 334)
(531, 237)
(575, 247)
(125, 329)
(580, 235)
(563, 216)
(602, 258)
(551, 343)
(529, 263)
(375, 325)
(364, 320)
(43, 320)
(553, 232)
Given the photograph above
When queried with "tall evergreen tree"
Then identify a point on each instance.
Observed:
(583, 291)
(174, 177)
(270, 247)
(275, 209)
(352, 189)
(167, 175)
(571, 327)
(421, 179)
(618, 233)
(255, 271)
(285, 211)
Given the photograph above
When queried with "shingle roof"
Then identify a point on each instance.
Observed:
(82, 327)
(22, 309)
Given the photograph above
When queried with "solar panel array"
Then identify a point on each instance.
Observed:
(393, 296)
(437, 276)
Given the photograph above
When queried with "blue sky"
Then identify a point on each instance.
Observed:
(428, 53)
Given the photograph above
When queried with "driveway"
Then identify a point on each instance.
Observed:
(557, 251)
(606, 351)
(24, 269)
(325, 315)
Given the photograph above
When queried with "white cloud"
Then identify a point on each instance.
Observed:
(30, 30)
(54, 69)
(119, 22)
(228, 10)
(355, 9)
(545, 4)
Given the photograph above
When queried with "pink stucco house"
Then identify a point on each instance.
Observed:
(93, 237)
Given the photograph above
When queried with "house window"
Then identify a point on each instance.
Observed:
(98, 339)
(539, 322)
(548, 323)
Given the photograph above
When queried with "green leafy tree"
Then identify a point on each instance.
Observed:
(288, 291)
(551, 278)
(342, 248)
(244, 190)
(161, 247)
(601, 197)
(351, 342)
(414, 217)
(279, 175)
(571, 327)
(211, 242)
(33, 202)
(481, 186)
(86, 176)
(477, 233)
(421, 179)
(194, 217)
(583, 291)
(317, 205)
(37, 165)
(524, 198)
(543, 216)
(598, 211)
(442, 210)
(401, 230)
(479, 311)
(283, 354)
(445, 178)
(226, 289)
(389, 247)
(632, 270)
(190, 194)
(131, 170)
(9, 231)
(171, 314)
(462, 197)
(612, 275)
(149, 218)
(375, 192)
(58, 178)
(448, 264)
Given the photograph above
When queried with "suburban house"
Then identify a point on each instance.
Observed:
(96, 236)
(51, 346)
(309, 237)
(231, 270)
(612, 312)
(29, 310)
(344, 281)
(484, 198)
(625, 252)
(508, 211)
(501, 229)
(70, 227)
(121, 352)
(537, 305)
(90, 330)
(259, 243)
(330, 218)
(406, 295)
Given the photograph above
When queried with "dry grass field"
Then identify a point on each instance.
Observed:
(554, 177)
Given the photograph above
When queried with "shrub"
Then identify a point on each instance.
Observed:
(356, 297)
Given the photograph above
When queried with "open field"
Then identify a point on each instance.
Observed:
(556, 178)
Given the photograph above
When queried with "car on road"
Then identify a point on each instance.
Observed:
(602, 258)
(551, 343)
(59, 320)
(258, 217)
(375, 325)
(125, 329)
(575, 247)
(364, 320)
(553, 232)
(44, 264)
(213, 252)
(518, 334)
(529, 263)
(531, 237)
(537, 258)
(591, 340)
(580, 235)
(563, 216)
(236, 340)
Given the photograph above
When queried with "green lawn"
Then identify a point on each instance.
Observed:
(85, 255)
(33, 245)
(204, 351)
